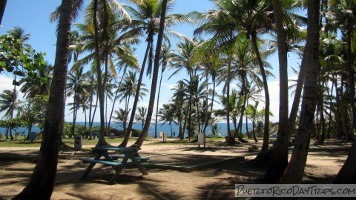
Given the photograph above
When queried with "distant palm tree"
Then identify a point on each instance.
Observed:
(167, 55)
(141, 115)
(78, 87)
(147, 21)
(166, 114)
(8, 103)
(121, 116)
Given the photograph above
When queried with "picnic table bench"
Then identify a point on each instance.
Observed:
(124, 157)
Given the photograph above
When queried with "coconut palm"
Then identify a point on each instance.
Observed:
(141, 115)
(166, 114)
(121, 116)
(148, 20)
(8, 103)
(78, 87)
(167, 55)
(41, 183)
(295, 170)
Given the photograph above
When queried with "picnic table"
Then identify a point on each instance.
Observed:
(123, 157)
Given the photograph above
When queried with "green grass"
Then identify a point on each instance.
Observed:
(115, 141)
(68, 141)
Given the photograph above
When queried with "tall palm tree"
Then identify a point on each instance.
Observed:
(41, 183)
(295, 170)
(167, 55)
(147, 21)
(184, 61)
(179, 97)
(156, 65)
(78, 87)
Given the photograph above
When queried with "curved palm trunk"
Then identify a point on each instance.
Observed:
(207, 118)
(137, 95)
(279, 160)
(347, 173)
(230, 138)
(265, 88)
(115, 98)
(42, 180)
(295, 169)
(2, 9)
(159, 92)
(91, 104)
(296, 101)
(142, 137)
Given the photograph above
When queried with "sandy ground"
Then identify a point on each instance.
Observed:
(216, 182)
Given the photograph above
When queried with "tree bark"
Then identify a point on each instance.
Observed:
(347, 173)
(265, 88)
(295, 170)
(279, 160)
(2, 9)
(42, 180)
(140, 140)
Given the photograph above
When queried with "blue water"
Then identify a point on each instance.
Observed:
(222, 128)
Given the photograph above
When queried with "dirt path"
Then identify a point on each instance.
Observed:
(212, 183)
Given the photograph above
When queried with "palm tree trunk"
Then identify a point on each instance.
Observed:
(159, 92)
(91, 103)
(347, 173)
(154, 75)
(295, 169)
(115, 97)
(279, 160)
(100, 83)
(42, 180)
(230, 139)
(137, 96)
(74, 110)
(265, 88)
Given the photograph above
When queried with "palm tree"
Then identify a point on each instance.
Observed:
(167, 55)
(9, 103)
(147, 20)
(128, 89)
(141, 115)
(121, 116)
(166, 114)
(295, 170)
(78, 87)
(156, 65)
(103, 14)
(41, 183)
(179, 97)
(184, 60)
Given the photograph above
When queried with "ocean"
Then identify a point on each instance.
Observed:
(222, 128)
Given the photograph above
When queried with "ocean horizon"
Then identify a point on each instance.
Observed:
(161, 127)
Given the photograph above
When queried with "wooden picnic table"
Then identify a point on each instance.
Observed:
(123, 157)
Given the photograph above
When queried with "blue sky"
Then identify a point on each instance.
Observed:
(33, 17)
